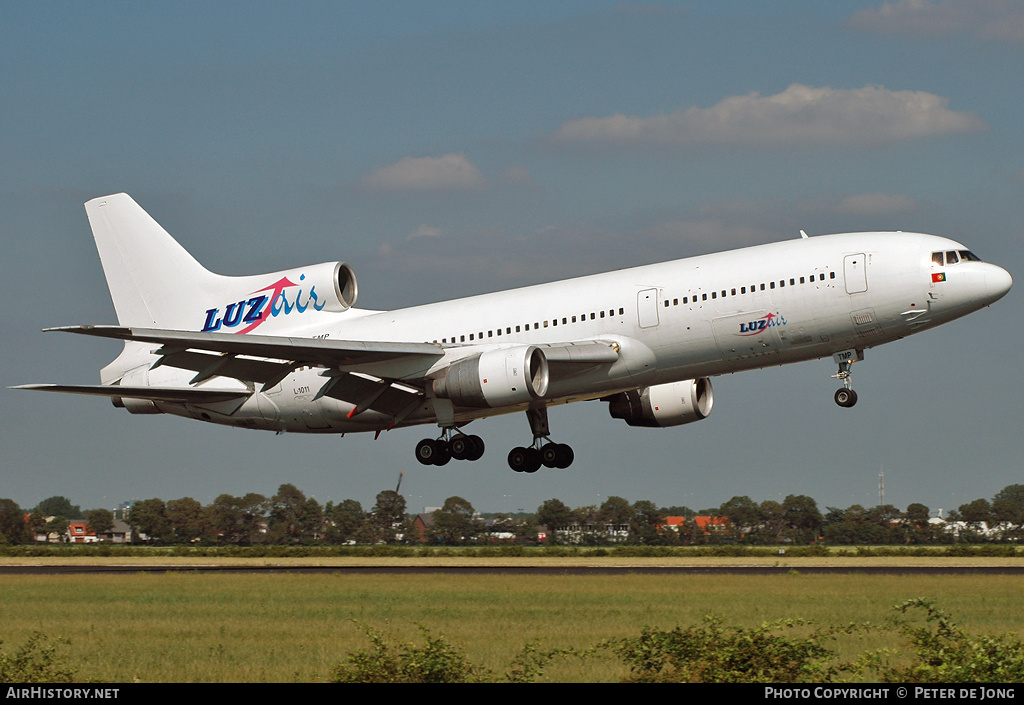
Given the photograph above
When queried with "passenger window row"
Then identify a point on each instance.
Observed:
(734, 291)
(536, 325)
(595, 315)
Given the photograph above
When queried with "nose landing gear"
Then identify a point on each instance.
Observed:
(845, 396)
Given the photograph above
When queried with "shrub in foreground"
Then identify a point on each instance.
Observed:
(435, 661)
(713, 653)
(36, 661)
(945, 653)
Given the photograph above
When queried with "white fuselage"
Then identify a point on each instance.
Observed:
(720, 313)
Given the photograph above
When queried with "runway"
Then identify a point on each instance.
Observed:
(737, 569)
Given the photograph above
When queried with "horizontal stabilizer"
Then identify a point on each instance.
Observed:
(180, 395)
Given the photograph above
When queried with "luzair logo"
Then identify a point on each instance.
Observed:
(254, 310)
(762, 324)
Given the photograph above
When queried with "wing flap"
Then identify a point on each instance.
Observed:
(241, 368)
(371, 394)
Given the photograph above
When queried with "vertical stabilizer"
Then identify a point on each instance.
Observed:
(152, 279)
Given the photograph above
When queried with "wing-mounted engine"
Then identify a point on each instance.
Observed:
(496, 378)
(664, 404)
(250, 301)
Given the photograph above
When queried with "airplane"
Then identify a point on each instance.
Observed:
(288, 351)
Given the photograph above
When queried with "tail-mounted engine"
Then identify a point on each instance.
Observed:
(664, 404)
(330, 286)
(139, 376)
(496, 378)
(253, 300)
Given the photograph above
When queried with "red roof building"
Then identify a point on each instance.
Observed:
(78, 532)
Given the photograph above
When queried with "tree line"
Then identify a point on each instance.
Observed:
(290, 517)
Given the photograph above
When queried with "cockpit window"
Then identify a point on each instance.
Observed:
(954, 256)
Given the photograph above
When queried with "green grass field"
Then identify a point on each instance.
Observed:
(181, 627)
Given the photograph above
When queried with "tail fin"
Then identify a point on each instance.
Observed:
(147, 272)
(155, 283)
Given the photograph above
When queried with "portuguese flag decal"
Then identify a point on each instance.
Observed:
(938, 277)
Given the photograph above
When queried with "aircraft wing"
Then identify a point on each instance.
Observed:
(180, 395)
(319, 351)
(191, 351)
(386, 377)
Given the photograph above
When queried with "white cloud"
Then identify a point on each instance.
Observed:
(449, 172)
(1002, 20)
(425, 231)
(865, 204)
(798, 115)
(518, 176)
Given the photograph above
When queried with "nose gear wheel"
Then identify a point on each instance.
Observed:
(845, 396)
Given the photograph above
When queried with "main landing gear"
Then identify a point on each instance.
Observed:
(454, 444)
(458, 446)
(845, 396)
(543, 451)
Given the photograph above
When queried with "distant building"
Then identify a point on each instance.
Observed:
(498, 531)
(120, 532)
(707, 525)
(78, 532)
(676, 524)
(981, 528)
(421, 524)
(44, 534)
(579, 533)
(712, 525)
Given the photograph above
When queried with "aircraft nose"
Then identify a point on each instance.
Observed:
(997, 282)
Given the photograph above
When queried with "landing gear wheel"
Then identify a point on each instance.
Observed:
(533, 460)
(427, 451)
(517, 458)
(444, 453)
(460, 446)
(846, 397)
(465, 447)
(549, 455)
(524, 459)
(477, 448)
(556, 455)
(567, 456)
(430, 452)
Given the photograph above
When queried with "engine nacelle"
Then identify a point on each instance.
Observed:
(663, 405)
(250, 301)
(496, 378)
(137, 377)
(330, 286)
(135, 406)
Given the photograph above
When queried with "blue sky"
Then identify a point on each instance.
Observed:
(450, 148)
